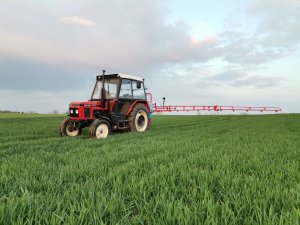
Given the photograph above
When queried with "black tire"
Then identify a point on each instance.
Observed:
(139, 118)
(67, 130)
(99, 129)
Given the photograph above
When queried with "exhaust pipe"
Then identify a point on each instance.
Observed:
(103, 90)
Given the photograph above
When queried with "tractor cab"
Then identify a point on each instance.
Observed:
(120, 91)
(118, 102)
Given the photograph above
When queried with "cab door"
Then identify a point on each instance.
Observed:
(130, 90)
(125, 97)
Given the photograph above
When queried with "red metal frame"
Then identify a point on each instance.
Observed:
(215, 108)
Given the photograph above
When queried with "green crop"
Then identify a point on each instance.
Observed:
(184, 170)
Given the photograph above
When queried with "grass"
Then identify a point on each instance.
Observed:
(185, 170)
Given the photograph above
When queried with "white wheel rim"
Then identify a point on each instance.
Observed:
(102, 131)
(71, 133)
(141, 120)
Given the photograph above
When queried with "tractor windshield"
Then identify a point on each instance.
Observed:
(110, 88)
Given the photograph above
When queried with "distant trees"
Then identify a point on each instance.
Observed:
(5, 111)
(9, 111)
(55, 111)
(31, 112)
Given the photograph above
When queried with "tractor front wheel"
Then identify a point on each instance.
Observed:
(139, 118)
(99, 129)
(69, 128)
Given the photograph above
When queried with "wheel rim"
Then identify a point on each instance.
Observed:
(102, 131)
(141, 120)
(71, 130)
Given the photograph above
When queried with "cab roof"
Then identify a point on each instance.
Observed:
(121, 75)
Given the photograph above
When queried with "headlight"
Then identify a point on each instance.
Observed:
(76, 111)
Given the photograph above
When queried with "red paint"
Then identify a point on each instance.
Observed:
(135, 102)
(215, 108)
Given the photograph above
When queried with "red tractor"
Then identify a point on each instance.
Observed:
(118, 102)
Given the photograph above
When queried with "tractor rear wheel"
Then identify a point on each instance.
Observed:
(99, 129)
(139, 118)
(69, 128)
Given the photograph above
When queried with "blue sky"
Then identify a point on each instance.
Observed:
(191, 52)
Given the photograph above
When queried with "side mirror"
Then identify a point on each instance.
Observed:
(139, 85)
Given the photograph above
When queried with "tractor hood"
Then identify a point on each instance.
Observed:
(84, 110)
(86, 104)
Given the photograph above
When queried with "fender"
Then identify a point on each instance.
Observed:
(105, 118)
(145, 102)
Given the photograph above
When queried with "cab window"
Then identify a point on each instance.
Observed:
(138, 91)
(125, 91)
(132, 89)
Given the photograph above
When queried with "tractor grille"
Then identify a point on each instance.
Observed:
(87, 112)
(74, 112)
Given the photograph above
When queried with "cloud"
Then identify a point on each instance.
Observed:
(259, 81)
(143, 39)
(136, 37)
(78, 21)
(237, 77)
(20, 74)
(228, 76)
(135, 41)
(247, 49)
(274, 35)
(280, 23)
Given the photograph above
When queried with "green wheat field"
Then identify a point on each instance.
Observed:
(227, 169)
